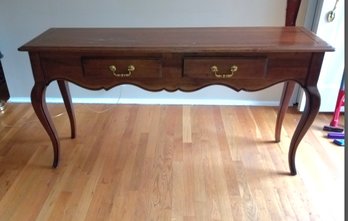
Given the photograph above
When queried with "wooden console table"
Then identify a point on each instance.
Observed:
(187, 59)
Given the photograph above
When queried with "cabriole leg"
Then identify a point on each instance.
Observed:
(310, 112)
(288, 89)
(64, 90)
(40, 107)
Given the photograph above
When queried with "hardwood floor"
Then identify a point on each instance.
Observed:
(132, 162)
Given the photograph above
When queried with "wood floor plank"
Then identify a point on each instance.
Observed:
(151, 162)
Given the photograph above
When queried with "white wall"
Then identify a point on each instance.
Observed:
(22, 20)
(333, 64)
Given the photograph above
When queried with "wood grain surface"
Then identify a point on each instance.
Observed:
(133, 162)
(213, 39)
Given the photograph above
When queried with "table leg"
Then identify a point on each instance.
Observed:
(288, 89)
(38, 101)
(64, 90)
(310, 112)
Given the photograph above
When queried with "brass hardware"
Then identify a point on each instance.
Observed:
(113, 69)
(215, 70)
(331, 14)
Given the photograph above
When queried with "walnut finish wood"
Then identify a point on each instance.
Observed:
(38, 101)
(65, 91)
(292, 9)
(311, 108)
(126, 41)
(40, 108)
(310, 112)
(288, 90)
(169, 58)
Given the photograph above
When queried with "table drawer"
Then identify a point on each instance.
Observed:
(225, 68)
(121, 68)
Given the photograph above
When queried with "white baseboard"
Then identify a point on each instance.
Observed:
(154, 101)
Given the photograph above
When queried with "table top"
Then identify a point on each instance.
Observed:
(210, 39)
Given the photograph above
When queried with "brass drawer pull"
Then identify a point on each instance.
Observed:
(215, 70)
(113, 69)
